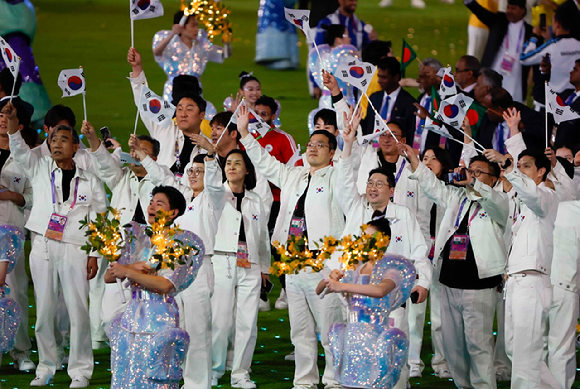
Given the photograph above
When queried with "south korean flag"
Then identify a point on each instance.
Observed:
(154, 107)
(453, 110)
(357, 73)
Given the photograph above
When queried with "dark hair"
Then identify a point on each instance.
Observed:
(59, 113)
(250, 179)
(198, 100)
(398, 124)
(199, 158)
(63, 127)
(178, 15)
(22, 113)
(222, 119)
(382, 225)
(567, 15)
(175, 198)
(7, 81)
(390, 176)
(491, 78)
(567, 165)
(332, 31)
(246, 77)
(332, 144)
(494, 167)
(328, 116)
(391, 64)
(442, 156)
(184, 84)
(540, 160)
(471, 63)
(501, 98)
(561, 145)
(154, 142)
(268, 102)
(376, 50)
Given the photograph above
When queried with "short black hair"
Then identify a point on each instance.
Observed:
(382, 225)
(376, 50)
(64, 127)
(222, 119)
(493, 166)
(540, 160)
(22, 114)
(561, 145)
(471, 63)
(567, 15)
(198, 100)
(328, 116)
(182, 84)
(175, 198)
(398, 124)
(154, 142)
(7, 81)
(199, 158)
(391, 64)
(250, 180)
(501, 98)
(442, 156)
(246, 77)
(268, 102)
(332, 143)
(390, 176)
(178, 15)
(332, 31)
(59, 113)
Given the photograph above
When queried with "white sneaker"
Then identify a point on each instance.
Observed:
(244, 383)
(214, 381)
(385, 3)
(79, 382)
(290, 357)
(264, 306)
(281, 302)
(415, 372)
(42, 380)
(418, 4)
(24, 363)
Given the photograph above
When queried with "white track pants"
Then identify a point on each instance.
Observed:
(528, 299)
(467, 324)
(112, 304)
(477, 39)
(234, 306)
(18, 282)
(308, 315)
(96, 291)
(416, 317)
(438, 362)
(501, 361)
(195, 317)
(562, 334)
(53, 265)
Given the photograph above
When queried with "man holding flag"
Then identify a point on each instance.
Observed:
(568, 130)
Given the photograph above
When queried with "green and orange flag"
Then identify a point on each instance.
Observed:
(475, 115)
(408, 55)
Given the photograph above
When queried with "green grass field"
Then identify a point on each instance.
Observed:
(95, 34)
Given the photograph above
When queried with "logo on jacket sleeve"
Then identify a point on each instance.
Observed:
(410, 193)
(17, 180)
(320, 190)
(190, 208)
(82, 198)
(482, 215)
(398, 238)
(255, 217)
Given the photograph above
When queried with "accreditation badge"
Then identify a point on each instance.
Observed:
(459, 245)
(56, 225)
(242, 256)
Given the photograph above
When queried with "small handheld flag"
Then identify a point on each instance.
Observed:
(448, 87)
(453, 109)
(154, 107)
(256, 123)
(556, 106)
(407, 56)
(146, 9)
(72, 83)
(12, 62)
(301, 19)
(475, 115)
(356, 73)
(380, 127)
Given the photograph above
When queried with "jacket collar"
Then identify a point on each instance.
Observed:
(80, 173)
(320, 172)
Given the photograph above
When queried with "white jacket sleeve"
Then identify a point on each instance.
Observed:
(212, 182)
(419, 252)
(468, 153)
(434, 188)
(494, 202)
(264, 242)
(108, 170)
(161, 175)
(564, 185)
(341, 107)
(539, 201)
(27, 161)
(263, 190)
(155, 130)
(515, 145)
(275, 171)
(345, 188)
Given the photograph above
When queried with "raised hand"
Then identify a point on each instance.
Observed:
(88, 130)
(243, 119)
(330, 83)
(177, 29)
(551, 156)
(136, 150)
(513, 118)
(134, 59)
(202, 142)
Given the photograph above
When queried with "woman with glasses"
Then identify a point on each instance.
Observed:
(470, 258)
(241, 264)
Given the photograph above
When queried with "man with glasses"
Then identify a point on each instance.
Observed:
(309, 209)
(471, 258)
(406, 237)
(466, 73)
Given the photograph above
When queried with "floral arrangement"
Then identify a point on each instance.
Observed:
(104, 234)
(168, 251)
(213, 15)
(364, 248)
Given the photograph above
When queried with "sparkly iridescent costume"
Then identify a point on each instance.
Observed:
(332, 57)
(147, 345)
(178, 59)
(276, 40)
(18, 27)
(367, 352)
(11, 245)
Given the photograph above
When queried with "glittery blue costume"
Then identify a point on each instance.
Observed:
(147, 345)
(332, 57)
(11, 245)
(368, 353)
(178, 59)
(277, 40)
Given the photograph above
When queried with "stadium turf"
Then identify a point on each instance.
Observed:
(95, 34)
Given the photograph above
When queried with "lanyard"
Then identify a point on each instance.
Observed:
(507, 40)
(54, 192)
(457, 221)
(400, 171)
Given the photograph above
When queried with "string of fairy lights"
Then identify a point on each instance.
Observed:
(211, 14)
